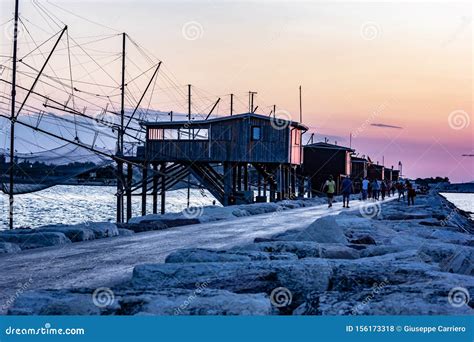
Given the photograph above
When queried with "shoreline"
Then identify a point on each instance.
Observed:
(416, 254)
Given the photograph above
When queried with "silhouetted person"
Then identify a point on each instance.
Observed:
(346, 189)
(329, 189)
(411, 193)
(383, 189)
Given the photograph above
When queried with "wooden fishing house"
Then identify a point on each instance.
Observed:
(395, 175)
(218, 154)
(388, 174)
(376, 171)
(322, 160)
(359, 167)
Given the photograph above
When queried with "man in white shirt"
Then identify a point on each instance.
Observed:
(365, 189)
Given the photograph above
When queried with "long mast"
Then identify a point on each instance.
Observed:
(12, 116)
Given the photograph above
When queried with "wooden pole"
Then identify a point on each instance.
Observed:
(12, 121)
(231, 104)
(129, 190)
(163, 187)
(120, 139)
(301, 108)
(189, 119)
(144, 187)
(155, 188)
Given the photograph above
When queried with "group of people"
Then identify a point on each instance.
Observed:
(375, 190)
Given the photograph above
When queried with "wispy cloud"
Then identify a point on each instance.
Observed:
(385, 126)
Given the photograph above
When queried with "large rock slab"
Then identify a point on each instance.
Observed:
(302, 249)
(7, 247)
(100, 229)
(54, 302)
(323, 230)
(193, 255)
(35, 240)
(120, 301)
(74, 233)
(239, 277)
(207, 302)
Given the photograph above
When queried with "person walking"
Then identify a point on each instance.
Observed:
(375, 189)
(389, 187)
(383, 189)
(401, 191)
(346, 188)
(394, 188)
(365, 188)
(411, 193)
(329, 189)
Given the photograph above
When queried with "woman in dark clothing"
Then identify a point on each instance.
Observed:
(383, 189)
(411, 193)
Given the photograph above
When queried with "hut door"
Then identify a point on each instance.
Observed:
(295, 146)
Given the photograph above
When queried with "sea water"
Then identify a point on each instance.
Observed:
(463, 201)
(71, 204)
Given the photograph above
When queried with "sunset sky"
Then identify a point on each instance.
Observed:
(398, 75)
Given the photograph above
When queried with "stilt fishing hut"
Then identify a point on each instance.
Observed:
(395, 175)
(376, 171)
(322, 160)
(388, 174)
(218, 153)
(359, 169)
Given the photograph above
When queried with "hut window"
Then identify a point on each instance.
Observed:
(201, 134)
(171, 134)
(256, 133)
(185, 133)
(155, 134)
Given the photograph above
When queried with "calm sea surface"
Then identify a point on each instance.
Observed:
(70, 204)
(462, 201)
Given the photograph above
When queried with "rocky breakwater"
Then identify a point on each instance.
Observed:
(16, 240)
(383, 259)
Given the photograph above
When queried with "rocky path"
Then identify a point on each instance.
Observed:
(109, 261)
(374, 259)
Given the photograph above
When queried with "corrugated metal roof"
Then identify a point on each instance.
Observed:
(220, 119)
